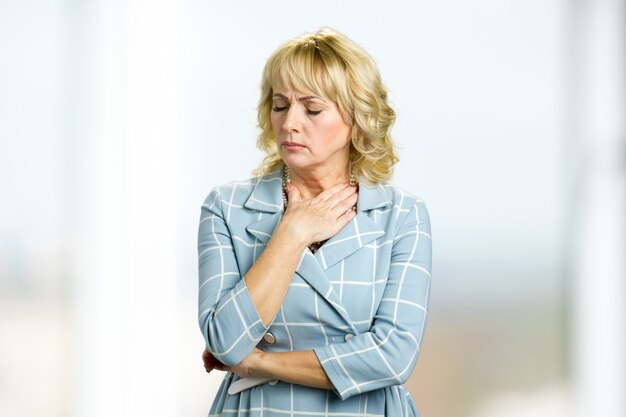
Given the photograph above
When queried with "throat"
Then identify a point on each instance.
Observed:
(311, 187)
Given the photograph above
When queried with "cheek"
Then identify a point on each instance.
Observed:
(336, 130)
(274, 121)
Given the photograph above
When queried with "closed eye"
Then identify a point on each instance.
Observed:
(309, 112)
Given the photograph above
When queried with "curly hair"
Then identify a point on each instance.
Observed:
(331, 65)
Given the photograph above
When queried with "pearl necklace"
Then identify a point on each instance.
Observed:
(286, 180)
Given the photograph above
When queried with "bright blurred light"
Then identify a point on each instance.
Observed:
(598, 320)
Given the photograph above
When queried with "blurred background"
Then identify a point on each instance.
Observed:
(118, 117)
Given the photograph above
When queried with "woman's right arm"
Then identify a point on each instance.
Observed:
(235, 313)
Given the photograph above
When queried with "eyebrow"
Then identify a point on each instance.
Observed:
(305, 98)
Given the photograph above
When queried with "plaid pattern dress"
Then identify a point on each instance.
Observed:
(360, 302)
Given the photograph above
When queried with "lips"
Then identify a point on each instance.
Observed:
(292, 146)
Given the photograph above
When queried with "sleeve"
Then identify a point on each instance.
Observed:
(387, 353)
(228, 317)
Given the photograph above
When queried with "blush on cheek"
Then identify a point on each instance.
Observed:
(275, 125)
(336, 130)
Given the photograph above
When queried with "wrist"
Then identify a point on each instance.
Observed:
(261, 366)
(292, 235)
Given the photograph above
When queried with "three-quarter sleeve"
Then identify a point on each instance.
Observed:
(387, 353)
(228, 318)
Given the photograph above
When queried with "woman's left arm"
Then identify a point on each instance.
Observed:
(297, 367)
(386, 354)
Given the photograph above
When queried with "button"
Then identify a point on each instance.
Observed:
(269, 338)
(273, 382)
(348, 337)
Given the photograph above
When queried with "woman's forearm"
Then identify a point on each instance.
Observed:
(298, 367)
(303, 222)
(269, 277)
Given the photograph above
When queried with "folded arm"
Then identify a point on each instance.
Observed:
(234, 313)
(387, 353)
(297, 367)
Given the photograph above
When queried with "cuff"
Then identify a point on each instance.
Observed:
(338, 375)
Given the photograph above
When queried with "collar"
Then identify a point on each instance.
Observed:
(267, 195)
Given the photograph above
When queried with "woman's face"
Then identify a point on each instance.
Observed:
(310, 132)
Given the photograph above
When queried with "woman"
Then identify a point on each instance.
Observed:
(313, 288)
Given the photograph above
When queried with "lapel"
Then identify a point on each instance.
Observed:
(267, 197)
(359, 232)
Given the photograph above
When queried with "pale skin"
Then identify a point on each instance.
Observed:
(314, 142)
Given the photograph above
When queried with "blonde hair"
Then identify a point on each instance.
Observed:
(331, 65)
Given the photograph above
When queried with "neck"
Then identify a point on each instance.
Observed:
(312, 182)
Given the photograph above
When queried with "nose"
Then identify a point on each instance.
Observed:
(292, 122)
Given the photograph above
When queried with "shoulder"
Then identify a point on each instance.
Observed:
(406, 216)
(231, 190)
(404, 202)
(401, 196)
(393, 208)
(235, 194)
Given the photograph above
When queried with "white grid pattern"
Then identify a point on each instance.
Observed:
(371, 281)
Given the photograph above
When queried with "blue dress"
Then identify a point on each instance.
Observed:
(360, 302)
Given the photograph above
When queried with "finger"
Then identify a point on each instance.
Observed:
(346, 204)
(341, 195)
(293, 194)
(207, 353)
(209, 365)
(345, 218)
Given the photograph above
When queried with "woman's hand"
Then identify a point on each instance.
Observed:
(210, 362)
(320, 217)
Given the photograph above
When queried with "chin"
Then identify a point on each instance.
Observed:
(293, 161)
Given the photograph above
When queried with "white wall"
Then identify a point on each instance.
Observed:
(118, 117)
